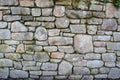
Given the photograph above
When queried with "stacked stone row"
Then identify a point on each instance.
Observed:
(48, 40)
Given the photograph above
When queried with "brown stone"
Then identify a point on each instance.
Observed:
(20, 48)
(29, 3)
(57, 55)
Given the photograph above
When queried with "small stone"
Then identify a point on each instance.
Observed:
(53, 32)
(4, 72)
(65, 68)
(101, 76)
(96, 7)
(37, 48)
(11, 18)
(78, 28)
(43, 3)
(49, 73)
(50, 48)
(114, 73)
(104, 70)
(87, 77)
(29, 3)
(28, 63)
(46, 78)
(66, 49)
(94, 21)
(94, 71)
(101, 38)
(27, 57)
(100, 44)
(92, 56)
(91, 29)
(18, 74)
(100, 50)
(13, 56)
(41, 33)
(110, 64)
(8, 3)
(99, 14)
(18, 27)
(27, 18)
(3, 24)
(62, 22)
(32, 68)
(49, 66)
(113, 46)
(109, 24)
(17, 65)
(60, 41)
(35, 72)
(5, 34)
(49, 25)
(22, 36)
(73, 77)
(1, 15)
(47, 12)
(6, 63)
(116, 36)
(33, 23)
(81, 70)
(59, 11)
(6, 48)
(46, 19)
(57, 55)
(94, 64)
(36, 11)
(83, 43)
(41, 57)
(109, 57)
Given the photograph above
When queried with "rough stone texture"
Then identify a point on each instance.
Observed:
(1, 15)
(4, 72)
(87, 78)
(114, 73)
(6, 48)
(18, 74)
(5, 34)
(109, 57)
(8, 3)
(109, 24)
(59, 11)
(49, 66)
(66, 49)
(53, 32)
(11, 18)
(3, 24)
(29, 3)
(36, 12)
(20, 48)
(6, 63)
(83, 43)
(43, 3)
(65, 68)
(57, 55)
(47, 12)
(41, 33)
(92, 56)
(116, 36)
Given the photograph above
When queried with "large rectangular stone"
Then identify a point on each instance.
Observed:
(113, 46)
(22, 36)
(78, 28)
(11, 18)
(8, 2)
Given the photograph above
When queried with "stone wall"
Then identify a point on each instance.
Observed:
(50, 40)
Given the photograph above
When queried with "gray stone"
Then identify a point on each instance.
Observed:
(110, 64)
(94, 21)
(4, 72)
(11, 18)
(47, 19)
(101, 76)
(28, 3)
(62, 22)
(114, 73)
(116, 36)
(13, 56)
(37, 48)
(94, 71)
(53, 32)
(27, 57)
(3, 24)
(96, 7)
(41, 57)
(104, 70)
(46, 78)
(8, 2)
(17, 65)
(1, 14)
(78, 14)
(118, 63)
(66, 49)
(49, 25)
(91, 29)
(83, 43)
(5, 34)
(81, 70)
(41, 33)
(113, 46)
(50, 48)
(59, 11)
(18, 74)
(49, 66)
(74, 77)
(65, 68)
(73, 57)
(6, 63)
(49, 73)
(78, 28)
(47, 12)
(109, 24)
(92, 56)
(95, 64)
(28, 63)
(36, 12)
(18, 27)
(33, 23)
(32, 68)
(101, 38)
(87, 77)
(100, 50)
(27, 18)
(6, 48)
(22, 36)
(60, 41)
(35, 72)
(109, 57)
(43, 3)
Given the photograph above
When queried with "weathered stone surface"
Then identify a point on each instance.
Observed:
(18, 27)
(96, 7)
(109, 24)
(100, 44)
(3, 24)
(78, 28)
(47, 19)
(110, 64)
(95, 64)
(41, 57)
(94, 71)
(100, 50)
(73, 77)
(18, 74)
(20, 10)
(1, 15)
(28, 63)
(62, 22)
(60, 41)
(35, 72)
(27, 57)
(78, 14)
(22, 36)
(59, 11)
(116, 36)
(8, 3)
(43, 3)
(101, 76)
(53, 32)
(65, 68)
(36, 11)
(49, 66)
(114, 73)
(66, 49)
(11, 18)
(99, 14)
(91, 29)
(104, 70)
(6, 48)
(4, 72)
(49, 73)
(81, 70)
(113, 46)
(109, 57)
(29, 3)
(94, 21)
(20, 48)
(83, 43)
(73, 57)
(47, 12)
(6, 63)
(41, 33)
(27, 18)
(5, 34)
(101, 38)
(57, 55)
(92, 56)
(50, 48)
(87, 77)
(17, 65)
(13, 56)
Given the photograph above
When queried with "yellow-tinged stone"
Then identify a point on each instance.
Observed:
(20, 48)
